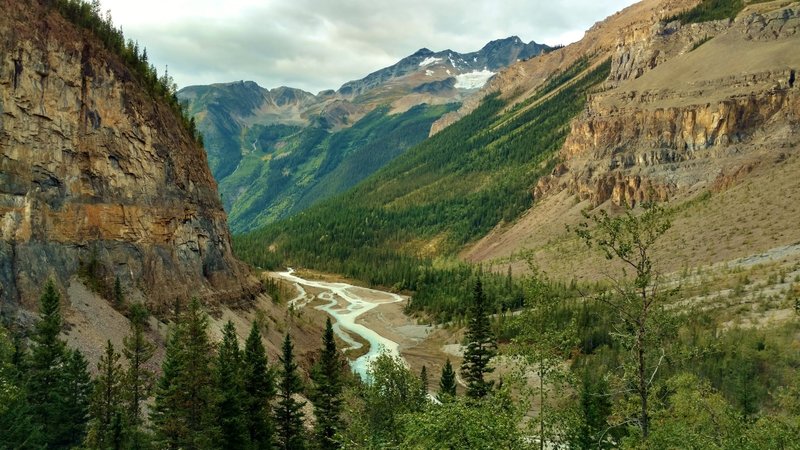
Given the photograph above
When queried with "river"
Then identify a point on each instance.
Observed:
(345, 304)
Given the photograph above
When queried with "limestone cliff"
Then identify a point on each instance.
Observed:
(92, 168)
(677, 115)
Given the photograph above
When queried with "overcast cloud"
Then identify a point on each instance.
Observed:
(320, 44)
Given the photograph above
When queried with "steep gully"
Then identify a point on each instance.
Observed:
(345, 304)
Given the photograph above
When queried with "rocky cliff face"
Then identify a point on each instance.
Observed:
(92, 169)
(681, 113)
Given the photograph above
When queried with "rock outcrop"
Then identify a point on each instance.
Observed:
(684, 107)
(94, 170)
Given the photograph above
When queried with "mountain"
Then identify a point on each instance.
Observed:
(275, 152)
(655, 103)
(99, 175)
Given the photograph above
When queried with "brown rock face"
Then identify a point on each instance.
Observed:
(92, 167)
(679, 112)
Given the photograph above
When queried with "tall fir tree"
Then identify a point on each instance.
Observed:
(259, 387)
(76, 393)
(106, 406)
(481, 347)
(57, 381)
(229, 409)
(184, 397)
(447, 383)
(138, 381)
(288, 411)
(327, 394)
(18, 430)
(423, 382)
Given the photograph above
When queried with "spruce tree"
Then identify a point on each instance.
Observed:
(76, 393)
(106, 405)
(481, 347)
(138, 381)
(447, 383)
(423, 381)
(288, 411)
(327, 396)
(18, 430)
(182, 415)
(230, 392)
(259, 386)
(169, 428)
(119, 297)
(57, 381)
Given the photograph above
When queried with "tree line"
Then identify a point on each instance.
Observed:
(208, 395)
(87, 15)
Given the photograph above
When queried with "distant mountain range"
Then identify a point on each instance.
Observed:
(275, 152)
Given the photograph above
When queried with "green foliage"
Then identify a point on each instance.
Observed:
(643, 322)
(289, 170)
(288, 411)
(392, 391)
(447, 383)
(708, 10)
(75, 392)
(18, 430)
(106, 405)
(58, 384)
(481, 347)
(182, 415)
(138, 378)
(327, 391)
(88, 16)
(694, 417)
(446, 191)
(229, 388)
(259, 387)
(489, 423)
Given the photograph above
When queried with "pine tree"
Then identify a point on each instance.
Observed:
(288, 412)
(119, 297)
(18, 430)
(55, 382)
(423, 381)
(75, 392)
(230, 392)
(481, 347)
(327, 396)
(106, 402)
(447, 383)
(259, 386)
(182, 416)
(168, 425)
(138, 380)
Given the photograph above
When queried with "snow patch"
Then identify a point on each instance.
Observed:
(448, 72)
(429, 73)
(473, 80)
(429, 60)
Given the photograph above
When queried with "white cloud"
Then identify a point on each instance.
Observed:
(320, 44)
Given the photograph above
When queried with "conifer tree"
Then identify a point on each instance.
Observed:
(182, 416)
(138, 380)
(230, 392)
(75, 393)
(18, 431)
(423, 382)
(106, 405)
(327, 396)
(288, 412)
(481, 347)
(447, 383)
(57, 382)
(259, 387)
(119, 297)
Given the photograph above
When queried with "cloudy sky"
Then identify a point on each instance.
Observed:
(320, 44)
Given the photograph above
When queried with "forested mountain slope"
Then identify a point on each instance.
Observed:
(275, 152)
